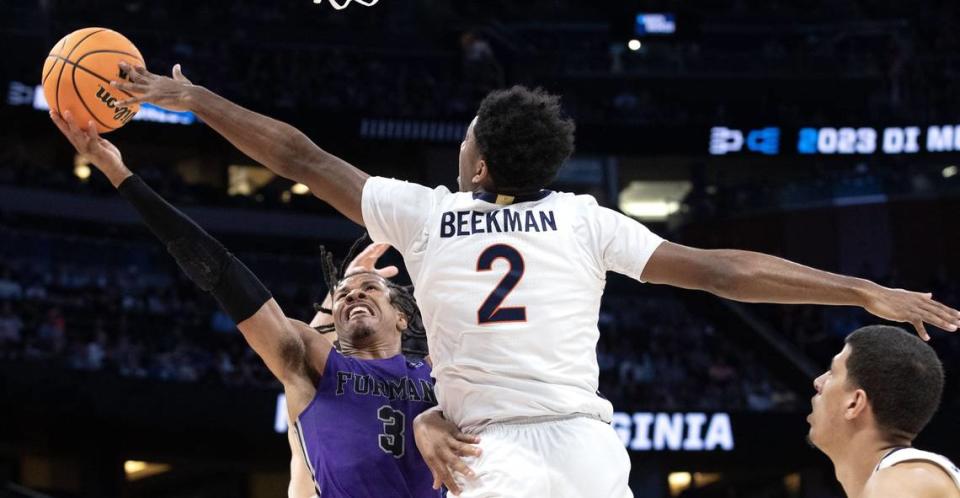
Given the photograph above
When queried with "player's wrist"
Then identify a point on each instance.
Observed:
(864, 291)
(117, 174)
(192, 96)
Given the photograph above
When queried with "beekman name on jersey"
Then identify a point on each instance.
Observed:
(457, 223)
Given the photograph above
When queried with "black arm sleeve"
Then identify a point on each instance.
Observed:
(204, 259)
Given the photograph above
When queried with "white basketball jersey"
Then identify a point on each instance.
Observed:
(901, 455)
(509, 292)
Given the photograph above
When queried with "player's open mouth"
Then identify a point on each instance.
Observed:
(359, 310)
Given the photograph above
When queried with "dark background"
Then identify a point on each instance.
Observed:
(108, 355)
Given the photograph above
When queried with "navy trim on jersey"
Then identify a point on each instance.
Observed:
(502, 199)
(892, 451)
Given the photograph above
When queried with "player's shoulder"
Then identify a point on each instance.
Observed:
(912, 478)
(392, 187)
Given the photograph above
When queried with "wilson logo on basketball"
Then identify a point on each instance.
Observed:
(122, 114)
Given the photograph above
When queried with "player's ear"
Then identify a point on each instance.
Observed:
(482, 176)
(401, 321)
(480, 172)
(857, 403)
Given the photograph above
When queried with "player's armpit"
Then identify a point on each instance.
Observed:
(317, 347)
(911, 480)
(291, 349)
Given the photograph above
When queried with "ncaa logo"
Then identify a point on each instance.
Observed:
(724, 140)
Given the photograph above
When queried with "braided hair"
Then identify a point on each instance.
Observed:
(413, 343)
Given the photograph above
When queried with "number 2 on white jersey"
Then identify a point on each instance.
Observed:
(490, 311)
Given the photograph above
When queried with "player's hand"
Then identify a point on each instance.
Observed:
(168, 92)
(442, 446)
(100, 152)
(367, 261)
(915, 308)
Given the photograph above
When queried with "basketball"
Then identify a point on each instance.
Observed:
(77, 74)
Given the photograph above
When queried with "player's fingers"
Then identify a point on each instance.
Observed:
(130, 87)
(388, 272)
(134, 100)
(136, 73)
(935, 316)
(141, 73)
(71, 125)
(451, 484)
(177, 73)
(74, 133)
(58, 120)
(921, 330)
(465, 450)
(91, 131)
(461, 468)
(446, 478)
(467, 438)
(954, 314)
(372, 252)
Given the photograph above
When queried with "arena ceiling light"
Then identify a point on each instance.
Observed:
(81, 167)
(653, 200)
(634, 44)
(949, 171)
(136, 469)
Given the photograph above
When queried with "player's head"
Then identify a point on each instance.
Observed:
(392, 309)
(364, 311)
(885, 380)
(516, 143)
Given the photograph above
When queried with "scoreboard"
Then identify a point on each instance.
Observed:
(829, 140)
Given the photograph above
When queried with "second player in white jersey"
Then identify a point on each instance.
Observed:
(510, 292)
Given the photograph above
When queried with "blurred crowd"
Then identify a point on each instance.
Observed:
(108, 305)
(795, 62)
(654, 353)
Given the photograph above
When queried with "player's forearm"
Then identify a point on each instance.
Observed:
(215, 270)
(755, 277)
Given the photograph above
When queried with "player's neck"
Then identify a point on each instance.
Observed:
(856, 461)
(377, 350)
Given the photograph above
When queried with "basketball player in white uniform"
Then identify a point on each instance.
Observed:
(509, 278)
(879, 393)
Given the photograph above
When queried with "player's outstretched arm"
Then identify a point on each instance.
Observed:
(282, 343)
(754, 277)
(280, 147)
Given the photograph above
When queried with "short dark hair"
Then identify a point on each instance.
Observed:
(524, 137)
(901, 374)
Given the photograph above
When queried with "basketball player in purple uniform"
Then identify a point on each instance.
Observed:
(354, 408)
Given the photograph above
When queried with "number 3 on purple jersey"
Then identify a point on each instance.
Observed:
(490, 311)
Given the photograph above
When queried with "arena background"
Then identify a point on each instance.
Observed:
(822, 131)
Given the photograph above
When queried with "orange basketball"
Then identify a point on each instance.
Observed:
(77, 75)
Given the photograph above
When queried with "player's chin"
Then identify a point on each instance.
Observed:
(361, 327)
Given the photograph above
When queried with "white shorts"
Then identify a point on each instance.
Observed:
(577, 457)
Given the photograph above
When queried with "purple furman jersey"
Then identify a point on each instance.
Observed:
(357, 433)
